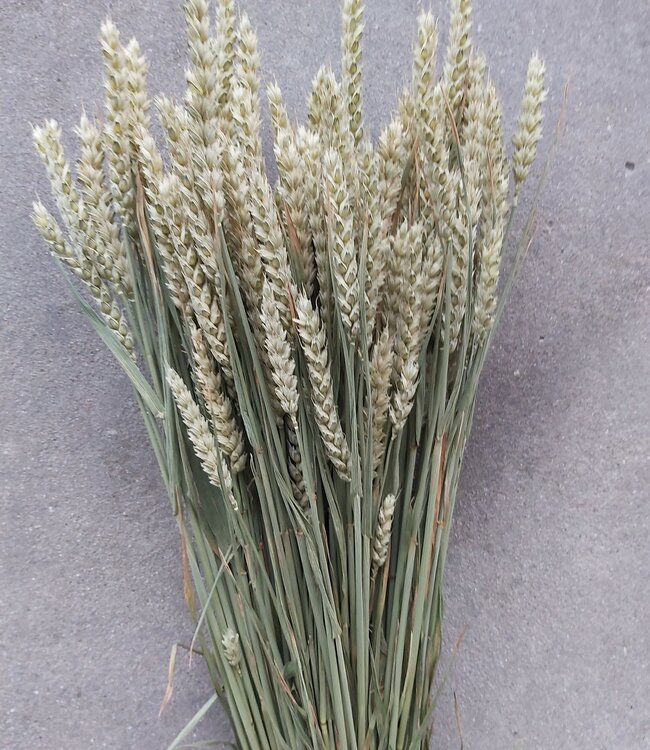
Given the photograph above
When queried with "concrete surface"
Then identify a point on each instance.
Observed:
(548, 569)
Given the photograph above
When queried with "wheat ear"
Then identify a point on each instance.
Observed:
(314, 344)
(201, 436)
(529, 125)
(381, 541)
(219, 406)
(351, 65)
(85, 270)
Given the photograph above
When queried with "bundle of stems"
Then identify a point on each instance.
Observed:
(305, 354)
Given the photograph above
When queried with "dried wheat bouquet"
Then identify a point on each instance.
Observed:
(305, 353)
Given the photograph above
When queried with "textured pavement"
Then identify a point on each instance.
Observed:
(549, 562)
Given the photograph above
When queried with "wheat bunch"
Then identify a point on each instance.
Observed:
(306, 354)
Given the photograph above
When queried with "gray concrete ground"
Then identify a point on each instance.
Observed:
(549, 562)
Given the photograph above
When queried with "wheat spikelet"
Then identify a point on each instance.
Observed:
(114, 68)
(314, 344)
(407, 118)
(89, 178)
(202, 105)
(471, 130)
(52, 234)
(403, 289)
(429, 119)
(329, 118)
(231, 648)
(208, 313)
(201, 233)
(211, 186)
